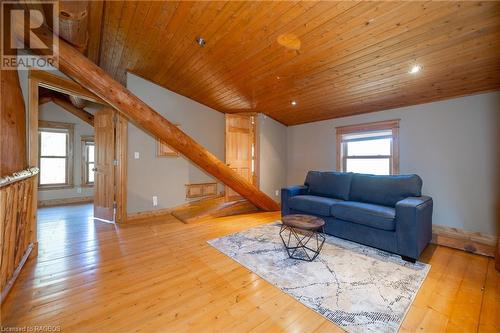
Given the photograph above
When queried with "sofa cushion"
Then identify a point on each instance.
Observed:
(376, 216)
(312, 204)
(384, 190)
(329, 184)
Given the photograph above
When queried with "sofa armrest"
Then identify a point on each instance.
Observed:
(287, 193)
(414, 225)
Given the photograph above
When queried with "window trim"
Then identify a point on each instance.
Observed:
(58, 127)
(387, 125)
(84, 176)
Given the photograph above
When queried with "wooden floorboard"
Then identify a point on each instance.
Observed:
(162, 276)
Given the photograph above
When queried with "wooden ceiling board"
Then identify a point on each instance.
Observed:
(355, 63)
(353, 58)
(393, 74)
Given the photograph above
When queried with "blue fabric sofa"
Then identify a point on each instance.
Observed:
(386, 212)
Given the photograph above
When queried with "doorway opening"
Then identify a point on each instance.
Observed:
(79, 144)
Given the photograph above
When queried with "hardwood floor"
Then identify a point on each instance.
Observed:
(162, 276)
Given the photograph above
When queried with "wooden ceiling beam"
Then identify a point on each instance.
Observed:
(87, 74)
(80, 113)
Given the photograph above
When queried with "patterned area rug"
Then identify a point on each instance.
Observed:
(358, 288)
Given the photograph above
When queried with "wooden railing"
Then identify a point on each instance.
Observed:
(17, 225)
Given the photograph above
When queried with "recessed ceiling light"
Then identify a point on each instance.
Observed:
(200, 41)
(415, 69)
(294, 103)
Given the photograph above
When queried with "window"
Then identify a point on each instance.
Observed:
(164, 150)
(88, 160)
(55, 154)
(369, 148)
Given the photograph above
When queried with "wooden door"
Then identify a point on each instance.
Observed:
(104, 189)
(240, 149)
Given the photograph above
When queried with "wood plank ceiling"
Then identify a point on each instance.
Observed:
(339, 58)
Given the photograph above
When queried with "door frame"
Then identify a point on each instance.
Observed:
(37, 79)
(256, 143)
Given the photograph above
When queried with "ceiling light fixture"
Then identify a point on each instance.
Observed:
(415, 69)
(201, 41)
(294, 103)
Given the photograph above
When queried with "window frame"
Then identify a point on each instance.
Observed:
(58, 127)
(388, 125)
(85, 162)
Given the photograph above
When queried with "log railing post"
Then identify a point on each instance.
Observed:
(17, 233)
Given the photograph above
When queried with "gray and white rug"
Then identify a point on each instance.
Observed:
(359, 288)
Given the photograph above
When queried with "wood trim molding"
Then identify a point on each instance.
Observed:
(64, 201)
(121, 147)
(33, 95)
(62, 85)
(84, 160)
(473, 242)
(372, 126)
(143, 216)
(392, 125)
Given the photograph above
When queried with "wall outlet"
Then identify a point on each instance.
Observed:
(155, 201)
(78, 190)
(136, 155)
(277, 193)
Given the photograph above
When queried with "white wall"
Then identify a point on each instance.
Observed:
(166, 177)
(53, 112)
(454, 145)
(272, 147)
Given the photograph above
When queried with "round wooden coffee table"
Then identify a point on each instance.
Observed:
(301, 237)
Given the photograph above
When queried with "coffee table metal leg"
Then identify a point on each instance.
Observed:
(302, 242)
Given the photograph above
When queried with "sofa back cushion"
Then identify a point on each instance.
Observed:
(384, 190)
(329, 184)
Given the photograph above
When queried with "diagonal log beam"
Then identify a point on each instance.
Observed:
(90, 76)
(82, 114)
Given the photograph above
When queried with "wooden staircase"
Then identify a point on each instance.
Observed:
(203, 210)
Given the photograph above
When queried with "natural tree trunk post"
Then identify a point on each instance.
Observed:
(90, 76)
(13, 125)
(82, 114)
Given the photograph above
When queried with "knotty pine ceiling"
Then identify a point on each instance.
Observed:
(339, 58)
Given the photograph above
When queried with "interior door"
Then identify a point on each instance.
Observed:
(104, 189)
(240, 149)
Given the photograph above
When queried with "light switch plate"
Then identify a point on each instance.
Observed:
(136, 155)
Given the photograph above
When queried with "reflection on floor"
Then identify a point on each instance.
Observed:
(57, 225)
(162, 276)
